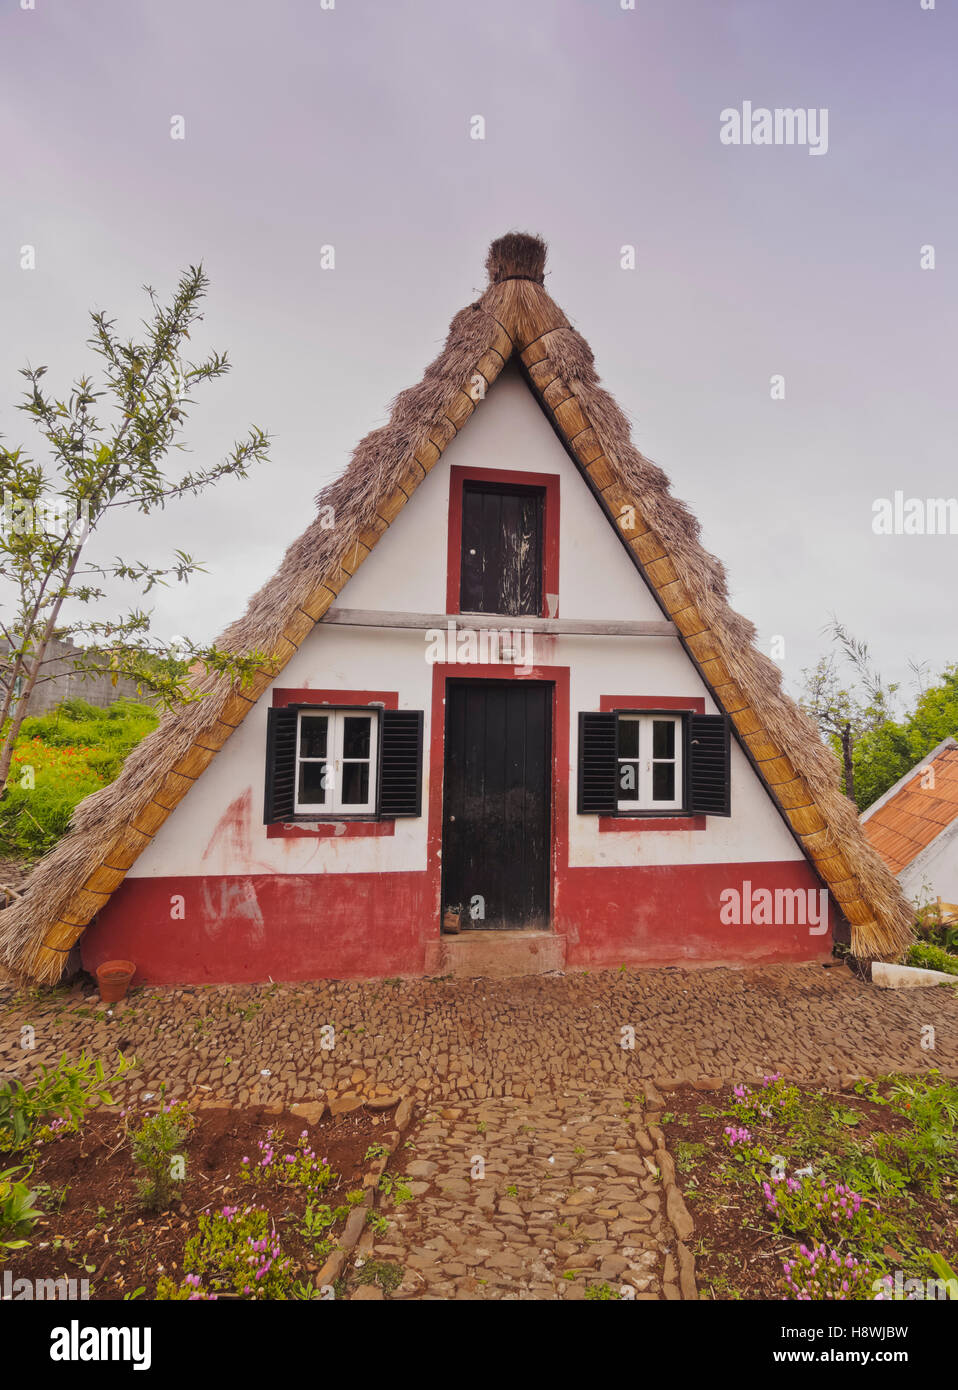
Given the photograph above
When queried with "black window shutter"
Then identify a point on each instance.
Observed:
(280, 764)
(597, 764)
(400, 763)
(709, 751)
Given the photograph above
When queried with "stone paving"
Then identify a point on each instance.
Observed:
(476, 1039)
(535, 1149)
(539, 1199)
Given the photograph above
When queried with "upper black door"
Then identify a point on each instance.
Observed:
(497, 803)
(501, 568)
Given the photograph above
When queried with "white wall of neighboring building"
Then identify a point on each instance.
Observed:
(934, 873)
(218, 828)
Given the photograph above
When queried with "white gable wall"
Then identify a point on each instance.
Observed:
(218, 828)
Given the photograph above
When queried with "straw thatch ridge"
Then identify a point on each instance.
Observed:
(514, 315)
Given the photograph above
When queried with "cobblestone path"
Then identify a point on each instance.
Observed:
(539, 1199)
(537, 1167)
(458, 1040)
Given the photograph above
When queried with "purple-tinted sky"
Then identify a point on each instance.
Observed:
(350, 126)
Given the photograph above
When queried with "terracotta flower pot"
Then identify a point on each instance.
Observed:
(114, 977)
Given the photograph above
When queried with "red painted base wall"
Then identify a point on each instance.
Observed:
(300, 927)
(670, 915)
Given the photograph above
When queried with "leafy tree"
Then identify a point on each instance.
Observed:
(846, 713)
(99, 463)
(887, 752)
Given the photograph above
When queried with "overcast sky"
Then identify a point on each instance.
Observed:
(350, 126)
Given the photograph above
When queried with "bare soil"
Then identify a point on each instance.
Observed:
(738, 1253)
(95, 1228)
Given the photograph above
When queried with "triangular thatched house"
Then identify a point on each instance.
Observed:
(508, 695)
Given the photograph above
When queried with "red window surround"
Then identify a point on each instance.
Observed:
(332, 829)
(550, 530)
(682, 704)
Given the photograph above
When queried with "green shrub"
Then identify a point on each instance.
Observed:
(929, 957)
(63, 1092)
(60, 759)
(157, 1146)
(234, 1253)
(18, 1215)
(107, 734)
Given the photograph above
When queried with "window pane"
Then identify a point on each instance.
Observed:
(355, 784)
(311, 779)
(663, 781)
(628, 781)
(356, 735)
(663, 738)
(312, 736)
(628, 738)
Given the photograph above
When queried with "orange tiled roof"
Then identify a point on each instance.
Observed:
(910, 820)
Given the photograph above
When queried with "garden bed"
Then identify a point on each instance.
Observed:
(887, 1154)
(95, 1226)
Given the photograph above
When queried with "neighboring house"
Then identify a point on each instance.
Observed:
(914, 826)
(506, 680)
(60, 680)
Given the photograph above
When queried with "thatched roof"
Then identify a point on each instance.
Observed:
(515, 317)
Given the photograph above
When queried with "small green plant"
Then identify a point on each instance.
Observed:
(303, 1291)
(944, 1271)
(818, 1208)
(316, 1224)
(387, 1276)
(157, 1151)
(232, 1252)
(294, 1165)
(395, 1188)
(601, 1293)
(774, 1100)
(64, 1092)
(18, 1215)
(687, 1154)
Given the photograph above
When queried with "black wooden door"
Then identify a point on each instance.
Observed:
(501, 562)
(497, 810)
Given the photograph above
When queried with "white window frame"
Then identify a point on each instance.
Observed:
(644, 801)
(335, 732)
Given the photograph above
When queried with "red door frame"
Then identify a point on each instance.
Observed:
(558, 677)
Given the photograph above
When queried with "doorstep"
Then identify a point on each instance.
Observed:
(498, 955)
